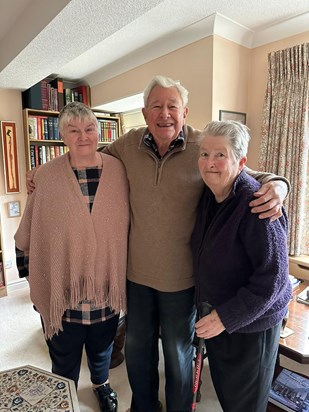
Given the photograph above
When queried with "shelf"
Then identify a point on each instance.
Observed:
(42, 124)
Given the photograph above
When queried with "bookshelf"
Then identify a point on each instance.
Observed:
(41, 105)
(42, 140)
(109, 127)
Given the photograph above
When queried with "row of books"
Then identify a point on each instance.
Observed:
(108, 131)
(52, 95)
(42, 154)
(43, 128)
(46, 128)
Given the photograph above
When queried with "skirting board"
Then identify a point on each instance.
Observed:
(17, 284)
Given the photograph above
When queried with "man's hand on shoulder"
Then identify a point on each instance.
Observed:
(269, 200)
(29, 180)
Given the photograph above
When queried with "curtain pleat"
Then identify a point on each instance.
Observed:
(284, 136)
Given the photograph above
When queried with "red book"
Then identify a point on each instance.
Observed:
(36, 152)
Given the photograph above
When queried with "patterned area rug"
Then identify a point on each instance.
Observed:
(29, 389)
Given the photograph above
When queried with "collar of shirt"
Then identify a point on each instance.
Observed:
(150, 142)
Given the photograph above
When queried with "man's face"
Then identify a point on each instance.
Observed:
(164, 114)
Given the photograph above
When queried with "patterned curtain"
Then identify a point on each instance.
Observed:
(285, 136)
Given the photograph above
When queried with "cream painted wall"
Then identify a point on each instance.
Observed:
(231, 63)
(214, 70)
(257, 88)
(192, 65)
(11, 109)
(218, 73)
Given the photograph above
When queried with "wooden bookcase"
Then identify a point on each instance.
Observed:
(42, 140)
(109, 127)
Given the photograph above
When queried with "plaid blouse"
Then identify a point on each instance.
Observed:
(85, 313)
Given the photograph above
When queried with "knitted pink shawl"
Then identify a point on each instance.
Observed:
(75, 255)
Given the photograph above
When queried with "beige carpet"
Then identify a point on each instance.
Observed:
(22, 343)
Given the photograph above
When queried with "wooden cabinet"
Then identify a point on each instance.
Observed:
(42, 139)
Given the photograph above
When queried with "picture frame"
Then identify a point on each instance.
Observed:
(236, 116)
(10, 157)
(14, 209)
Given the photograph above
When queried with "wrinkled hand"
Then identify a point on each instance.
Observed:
(29, 180)
(269, 200)
(209, 326)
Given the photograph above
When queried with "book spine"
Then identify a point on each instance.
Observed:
(40, 155)
(50, 123)
(37, 160)
(52, 152)
(43, 154)
(47, 153)
(45, 128)
(39, 124)
(44, 94)
(55, 129)
(32, 156)
(32, 127)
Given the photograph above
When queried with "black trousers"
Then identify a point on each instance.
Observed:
(66, 348)
(242, 368)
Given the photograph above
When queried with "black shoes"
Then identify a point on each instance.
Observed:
(107, 398)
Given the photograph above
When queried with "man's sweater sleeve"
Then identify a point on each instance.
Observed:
(264, 177)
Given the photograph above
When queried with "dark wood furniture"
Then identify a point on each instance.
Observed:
(296, 346)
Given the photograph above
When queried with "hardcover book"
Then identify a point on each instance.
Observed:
(290, 391)
(36, 97)
(33, 127)
(32, 156)
(58, 85)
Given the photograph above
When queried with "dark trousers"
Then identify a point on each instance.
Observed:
(66, 348)
(242, 368)
(151, 312)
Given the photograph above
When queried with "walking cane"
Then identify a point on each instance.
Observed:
(205, 309)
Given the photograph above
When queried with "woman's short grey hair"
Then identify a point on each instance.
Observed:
(166, 82)
(237, 134)
(75, 110)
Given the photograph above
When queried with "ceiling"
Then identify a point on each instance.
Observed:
(94, 40)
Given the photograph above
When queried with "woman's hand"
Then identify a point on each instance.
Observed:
(269, 200)
(209, 326)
